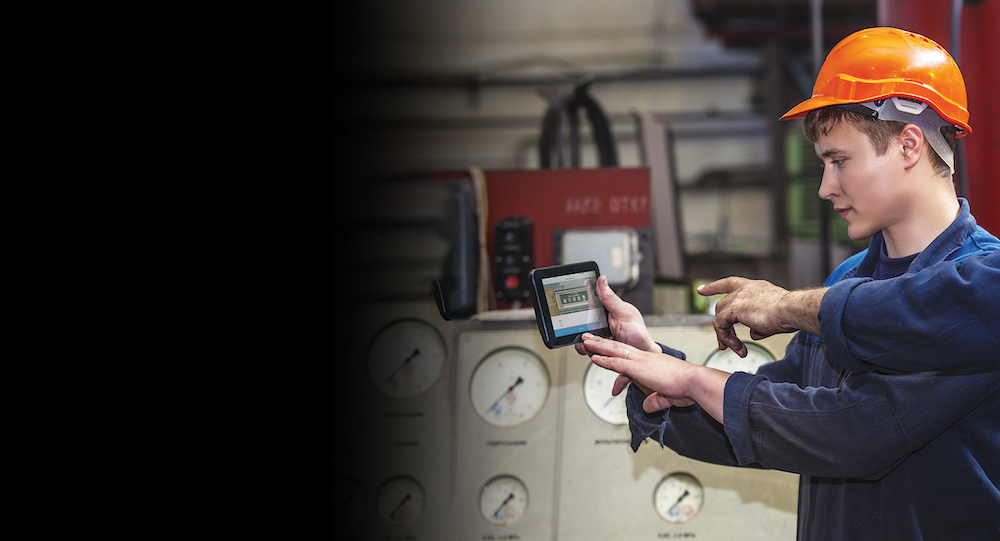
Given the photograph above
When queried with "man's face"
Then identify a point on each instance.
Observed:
(865, 189)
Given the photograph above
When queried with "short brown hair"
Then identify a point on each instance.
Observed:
(819, 122)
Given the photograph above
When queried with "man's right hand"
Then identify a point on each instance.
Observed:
(758, 304)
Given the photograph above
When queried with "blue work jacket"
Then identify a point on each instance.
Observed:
(903, 454)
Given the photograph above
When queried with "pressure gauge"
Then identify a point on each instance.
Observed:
(597, 385)
(503, 500)
(678, 498)
(728, 361)
(348, 500)
(400, 501)
(509, 387)
(405, 358)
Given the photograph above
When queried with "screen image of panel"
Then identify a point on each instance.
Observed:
(573, 303)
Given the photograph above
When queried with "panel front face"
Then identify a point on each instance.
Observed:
(393, 422)
(508, 419)
(474, 430)
(609, 492)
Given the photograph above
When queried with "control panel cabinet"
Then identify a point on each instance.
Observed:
(474, 430)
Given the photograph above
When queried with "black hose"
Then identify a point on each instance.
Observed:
(552, 138)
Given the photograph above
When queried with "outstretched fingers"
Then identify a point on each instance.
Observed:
(724, 286)
(597, 345)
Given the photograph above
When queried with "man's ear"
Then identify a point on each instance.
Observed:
(913, 142)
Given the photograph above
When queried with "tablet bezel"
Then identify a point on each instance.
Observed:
(542, 314)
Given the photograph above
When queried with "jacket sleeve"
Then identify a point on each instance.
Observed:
(943, 318)
(861, 429)
(689, 431)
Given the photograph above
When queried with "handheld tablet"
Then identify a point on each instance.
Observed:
(566, 303)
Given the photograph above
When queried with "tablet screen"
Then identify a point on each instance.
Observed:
(573, 304)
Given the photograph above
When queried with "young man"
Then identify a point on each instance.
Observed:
(903, 456)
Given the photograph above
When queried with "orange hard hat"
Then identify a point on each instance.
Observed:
(878, 63)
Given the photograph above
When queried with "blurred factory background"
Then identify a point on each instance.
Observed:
(446, 85)
(479, 139)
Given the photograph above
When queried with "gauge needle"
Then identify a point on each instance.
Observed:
(400, 506)
(402, 366)
(496, 513)
(678, 502)
(519, 381)
(614, 397)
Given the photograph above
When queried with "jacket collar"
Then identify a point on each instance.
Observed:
(948, 242)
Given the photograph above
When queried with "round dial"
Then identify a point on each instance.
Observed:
(509, 387)
(405, 358)
(728, 361)
(400, 501)
(503, 500)
(348, 500)
(597, 385)
(678, 498)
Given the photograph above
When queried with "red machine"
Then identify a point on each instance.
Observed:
(580, 200)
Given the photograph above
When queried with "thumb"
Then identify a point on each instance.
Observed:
(655, 402)
(620, 383)
(609, 298)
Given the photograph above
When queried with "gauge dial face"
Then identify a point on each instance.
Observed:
(678, 498)
(400, 501)
(348, 500)
(597, 385)
(728, 361)
(509, 387)
(503, 500)
(405, 358)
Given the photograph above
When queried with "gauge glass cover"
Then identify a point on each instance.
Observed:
(678, 498)
(348, 500)
(597, 385)
(509, 387)
(406, 358)
(400, 501)
(503, 500)
(728, 361)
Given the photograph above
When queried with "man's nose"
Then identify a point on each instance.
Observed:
(828, 187)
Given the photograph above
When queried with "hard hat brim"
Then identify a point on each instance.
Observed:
(818, 102)
(815, 102)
